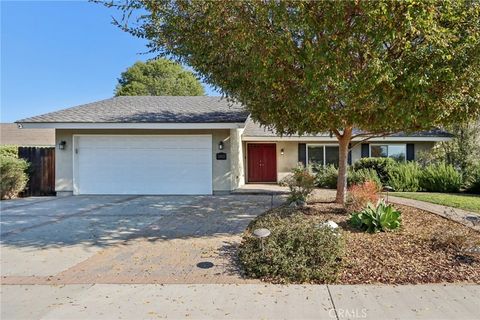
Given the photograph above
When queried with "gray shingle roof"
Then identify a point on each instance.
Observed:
(149, 109)
(253, 129)
(174, 109)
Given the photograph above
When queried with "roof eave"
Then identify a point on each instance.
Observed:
(117, 125)
(334, 139)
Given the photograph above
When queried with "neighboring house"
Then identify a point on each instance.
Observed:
(37, 147)
(187, 145)
(11, 134)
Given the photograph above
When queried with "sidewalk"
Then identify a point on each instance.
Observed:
(255, 301)
(469, 219)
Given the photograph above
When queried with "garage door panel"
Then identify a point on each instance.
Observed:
(144, 142)
(133, 168)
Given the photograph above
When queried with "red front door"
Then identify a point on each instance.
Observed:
(262, 162)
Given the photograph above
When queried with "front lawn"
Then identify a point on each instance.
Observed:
(426, 249)
(467, 202)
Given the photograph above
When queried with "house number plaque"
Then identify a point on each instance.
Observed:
(221, 156)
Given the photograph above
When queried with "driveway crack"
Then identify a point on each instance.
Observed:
(67, 216)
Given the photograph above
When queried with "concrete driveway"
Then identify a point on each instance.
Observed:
(108, 257)
(125, 239)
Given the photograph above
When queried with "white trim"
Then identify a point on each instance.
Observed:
(74, 158)
(140, 135)
(279, 139)
(216, 125)
(74, 166)
(66, 125)
(334, 140)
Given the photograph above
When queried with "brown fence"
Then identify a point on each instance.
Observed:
(42, 170)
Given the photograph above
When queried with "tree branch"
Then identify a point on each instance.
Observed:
(368, 134)
(337, 133)
(368, 137)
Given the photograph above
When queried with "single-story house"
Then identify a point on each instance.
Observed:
(188, 145)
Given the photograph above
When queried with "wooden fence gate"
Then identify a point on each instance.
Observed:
(41, 180)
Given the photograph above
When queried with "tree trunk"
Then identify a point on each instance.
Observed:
(343, 142)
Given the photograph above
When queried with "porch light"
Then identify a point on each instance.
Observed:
(282, 152)
(220, 145)
(62, 145)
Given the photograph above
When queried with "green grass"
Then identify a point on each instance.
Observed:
(467, 202)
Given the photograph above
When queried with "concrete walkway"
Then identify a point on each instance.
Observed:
(469, 219)
(249, 301)
(261, 188)
(318, 194)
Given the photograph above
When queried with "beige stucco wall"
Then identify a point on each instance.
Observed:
(227, 174)
(221, 169)
(236, 159)
(289, 160)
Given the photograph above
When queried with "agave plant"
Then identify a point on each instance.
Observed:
(375, 218)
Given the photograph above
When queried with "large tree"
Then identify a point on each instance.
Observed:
(326, 66)
(160, 77)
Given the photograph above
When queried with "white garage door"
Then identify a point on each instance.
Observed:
(163, 164)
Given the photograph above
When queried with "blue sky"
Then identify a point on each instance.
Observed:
(58, 54)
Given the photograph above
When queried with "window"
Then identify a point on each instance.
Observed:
(331, 155)
(379, 151)
(322, 155)
(394, 151)
(315, 154)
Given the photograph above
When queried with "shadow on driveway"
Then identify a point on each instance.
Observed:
(127, 239)
(110, 220)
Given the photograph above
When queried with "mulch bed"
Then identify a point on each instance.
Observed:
(427, 249)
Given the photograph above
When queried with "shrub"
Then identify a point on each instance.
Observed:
(13, 176)
(301, 184)
(405, 177)
(440, 178)
(363, 175)
(296, 250)
(380, 165)
(462, 151)
(359, 195)
(9, 151)
(377, 218)
(474, 181)
(326, 177)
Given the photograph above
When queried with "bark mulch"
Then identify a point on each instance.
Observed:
(426, 249)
